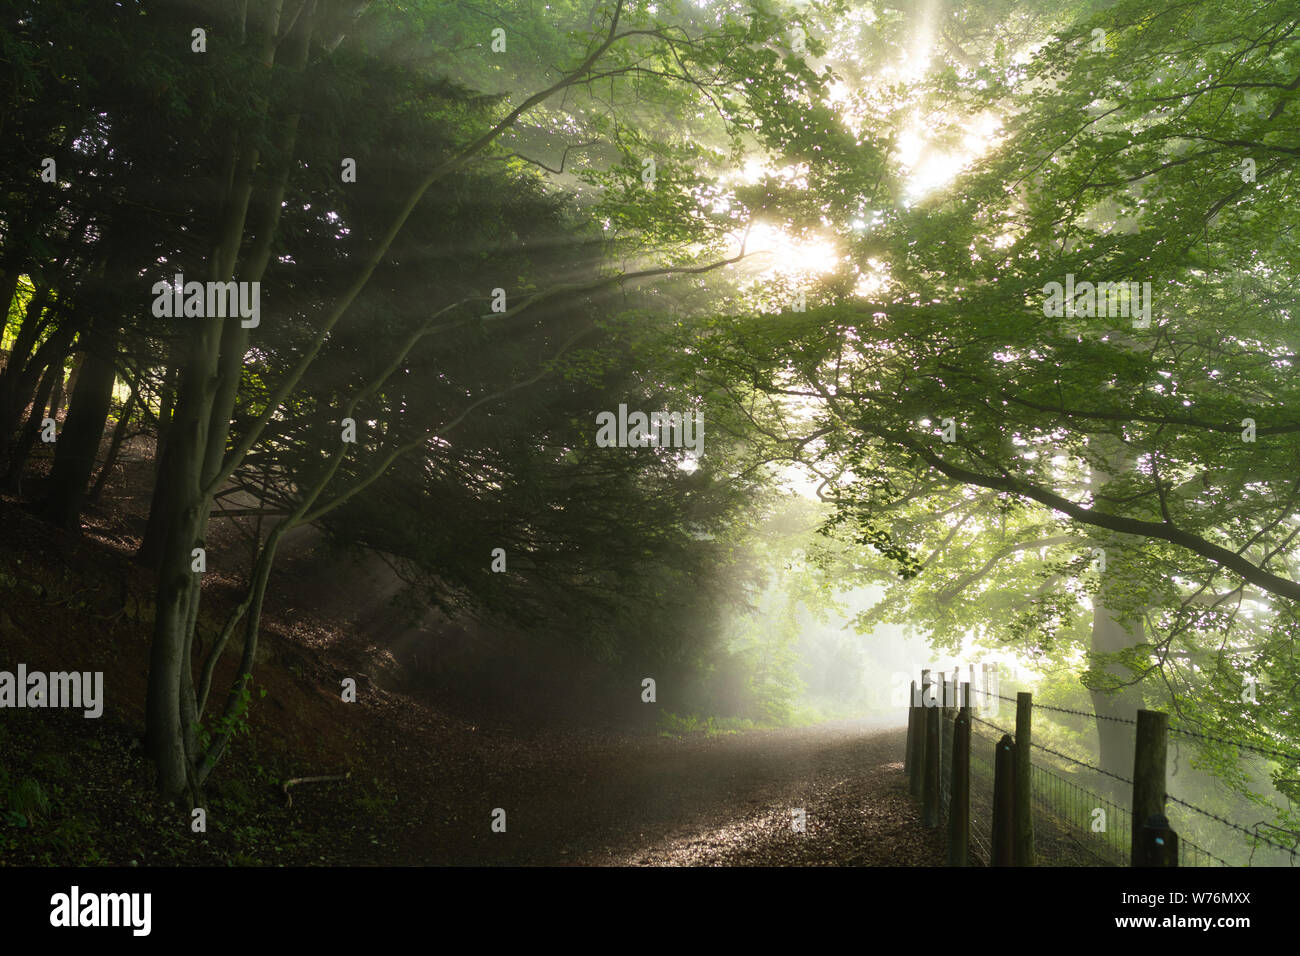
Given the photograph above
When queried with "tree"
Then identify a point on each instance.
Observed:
(1169, 444)
(201, 453)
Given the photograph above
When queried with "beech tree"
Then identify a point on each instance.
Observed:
(1167, 444)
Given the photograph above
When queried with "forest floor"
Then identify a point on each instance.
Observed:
(424, 776)
(733, 801)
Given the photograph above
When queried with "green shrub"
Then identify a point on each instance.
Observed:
(29, 800)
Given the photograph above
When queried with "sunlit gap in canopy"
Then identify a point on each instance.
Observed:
(929, 152)
(927, 166)
(776, 251)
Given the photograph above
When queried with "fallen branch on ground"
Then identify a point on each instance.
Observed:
(294, 781)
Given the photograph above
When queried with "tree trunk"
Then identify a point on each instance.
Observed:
(114, 447)
(53, 350)
(74, 373)
(1115, 740)
(27, 437)
(196, 447)
(1110, 635)
(165, 707)
(83, 431)
(151, 543)
(9, 277)
(56, 395)
(18, 379)
(29, 330)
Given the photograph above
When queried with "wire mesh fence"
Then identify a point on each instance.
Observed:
(983, 740)
(1074, 825)
(1080, 810)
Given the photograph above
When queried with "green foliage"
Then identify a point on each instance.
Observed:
(233, 723)
(27, 802)
(673, 725)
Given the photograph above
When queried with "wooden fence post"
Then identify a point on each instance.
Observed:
(930, 794)
(1159, 843)
(911, 732)
(959, 789)
(1004, 803)
(945, 740)
(1148, 779)
(1024, 780)
(917, 783)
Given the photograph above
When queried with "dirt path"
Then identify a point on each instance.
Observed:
(725, 800)
(605, 797)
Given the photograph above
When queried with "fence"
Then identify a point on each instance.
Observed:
(1001, 806)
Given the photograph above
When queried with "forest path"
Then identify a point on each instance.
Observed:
(722, 800)
(587, 796)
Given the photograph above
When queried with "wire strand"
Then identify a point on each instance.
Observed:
(1066, 710)
(1236, 743)
(1229, 823)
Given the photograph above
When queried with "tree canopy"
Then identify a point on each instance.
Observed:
(1012, 285)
